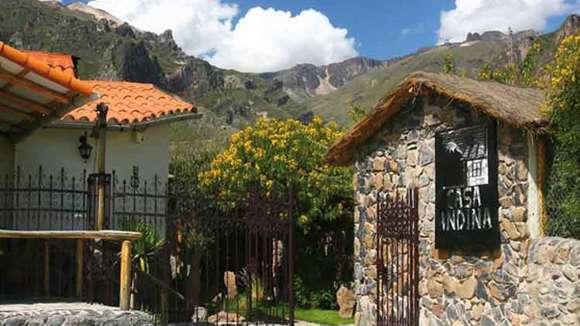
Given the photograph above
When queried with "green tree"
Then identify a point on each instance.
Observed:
(274, 154)
(449, 66)
(356, 113)
(523, 73)
(563, 107)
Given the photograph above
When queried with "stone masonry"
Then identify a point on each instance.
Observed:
(456, 288)
(70, 313)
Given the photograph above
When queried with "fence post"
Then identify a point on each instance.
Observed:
(79, 264)
(125, 284)
(46, 268)
(291, 223)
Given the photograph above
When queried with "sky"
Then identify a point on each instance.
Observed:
(270, 35)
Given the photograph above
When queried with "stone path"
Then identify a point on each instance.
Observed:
(69, 313)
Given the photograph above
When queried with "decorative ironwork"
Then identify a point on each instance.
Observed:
(40, 201)
(211, 247)
(397, 259)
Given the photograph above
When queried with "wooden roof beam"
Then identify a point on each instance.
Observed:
(10, 126)
(23, 83)
(17, 113)
(24, 102)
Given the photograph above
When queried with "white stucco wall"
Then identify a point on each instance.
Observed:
(55, 149)
(6, 156)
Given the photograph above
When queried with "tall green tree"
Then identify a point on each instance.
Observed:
(274, 155)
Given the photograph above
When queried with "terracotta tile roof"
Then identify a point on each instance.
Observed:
(130, 103)
(62, 61)
(30, 63)
(32, 91)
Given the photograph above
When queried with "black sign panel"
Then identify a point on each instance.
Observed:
(466, 188)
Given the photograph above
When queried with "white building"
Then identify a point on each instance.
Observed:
(44, 180)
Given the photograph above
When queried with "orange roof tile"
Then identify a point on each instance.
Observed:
(62, 61)
(29, 62)
(130, 103)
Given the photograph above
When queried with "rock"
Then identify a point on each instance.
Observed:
(346, 300)
(506, 202)
(434, 288)
(466, 289)
(225, 317)
(412, 157)
(510, 229)
(230, 283)
(519, 214)
(476, 312)
(199, 315)
(426, 155)
(379, 164)
(570, 272)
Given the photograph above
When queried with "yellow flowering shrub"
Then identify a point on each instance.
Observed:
(563, 107)
(274, 154)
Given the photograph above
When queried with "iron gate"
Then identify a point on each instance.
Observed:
(397, 262)
(233, 265)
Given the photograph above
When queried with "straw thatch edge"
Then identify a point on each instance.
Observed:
(422, 84)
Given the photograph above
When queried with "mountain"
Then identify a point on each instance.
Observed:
(109, 48)
(494, 48)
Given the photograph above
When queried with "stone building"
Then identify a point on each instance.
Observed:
(467, 248)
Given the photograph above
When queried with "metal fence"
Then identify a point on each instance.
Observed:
(36, 200)
(201, 259)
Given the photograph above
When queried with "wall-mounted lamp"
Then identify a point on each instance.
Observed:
(85, 148)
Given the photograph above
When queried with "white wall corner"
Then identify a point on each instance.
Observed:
(534, 209)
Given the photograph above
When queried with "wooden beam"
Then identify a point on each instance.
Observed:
(104, 234)
(23, 83)
(9, 126)
(24, 102)
(125, 283)
(79, 267)
(17, 113)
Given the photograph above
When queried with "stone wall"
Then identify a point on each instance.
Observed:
(456, 287)
(552, 282)
(70, 313)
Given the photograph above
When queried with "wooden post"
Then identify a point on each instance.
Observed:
(125, 286)
(80, 260)
(164, 301)
(46, 268)
(540, 182)
(102, 110)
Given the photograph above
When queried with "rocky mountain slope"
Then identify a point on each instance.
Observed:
(494, 48)
(109, 48)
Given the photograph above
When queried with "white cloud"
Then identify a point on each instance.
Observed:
(484, 15)
(262, 40)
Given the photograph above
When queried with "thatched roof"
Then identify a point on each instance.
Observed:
(516, 106)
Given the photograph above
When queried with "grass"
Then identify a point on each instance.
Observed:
(319, 316)
(312, 315)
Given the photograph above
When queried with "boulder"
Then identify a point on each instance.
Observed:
(225, 317)
(230, 283)
(346, 302)
(199, 315)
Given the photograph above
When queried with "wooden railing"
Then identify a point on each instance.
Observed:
(125, 237)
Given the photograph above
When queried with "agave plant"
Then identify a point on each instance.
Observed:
(145, 248)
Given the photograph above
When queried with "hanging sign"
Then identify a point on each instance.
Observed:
(466, 202)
